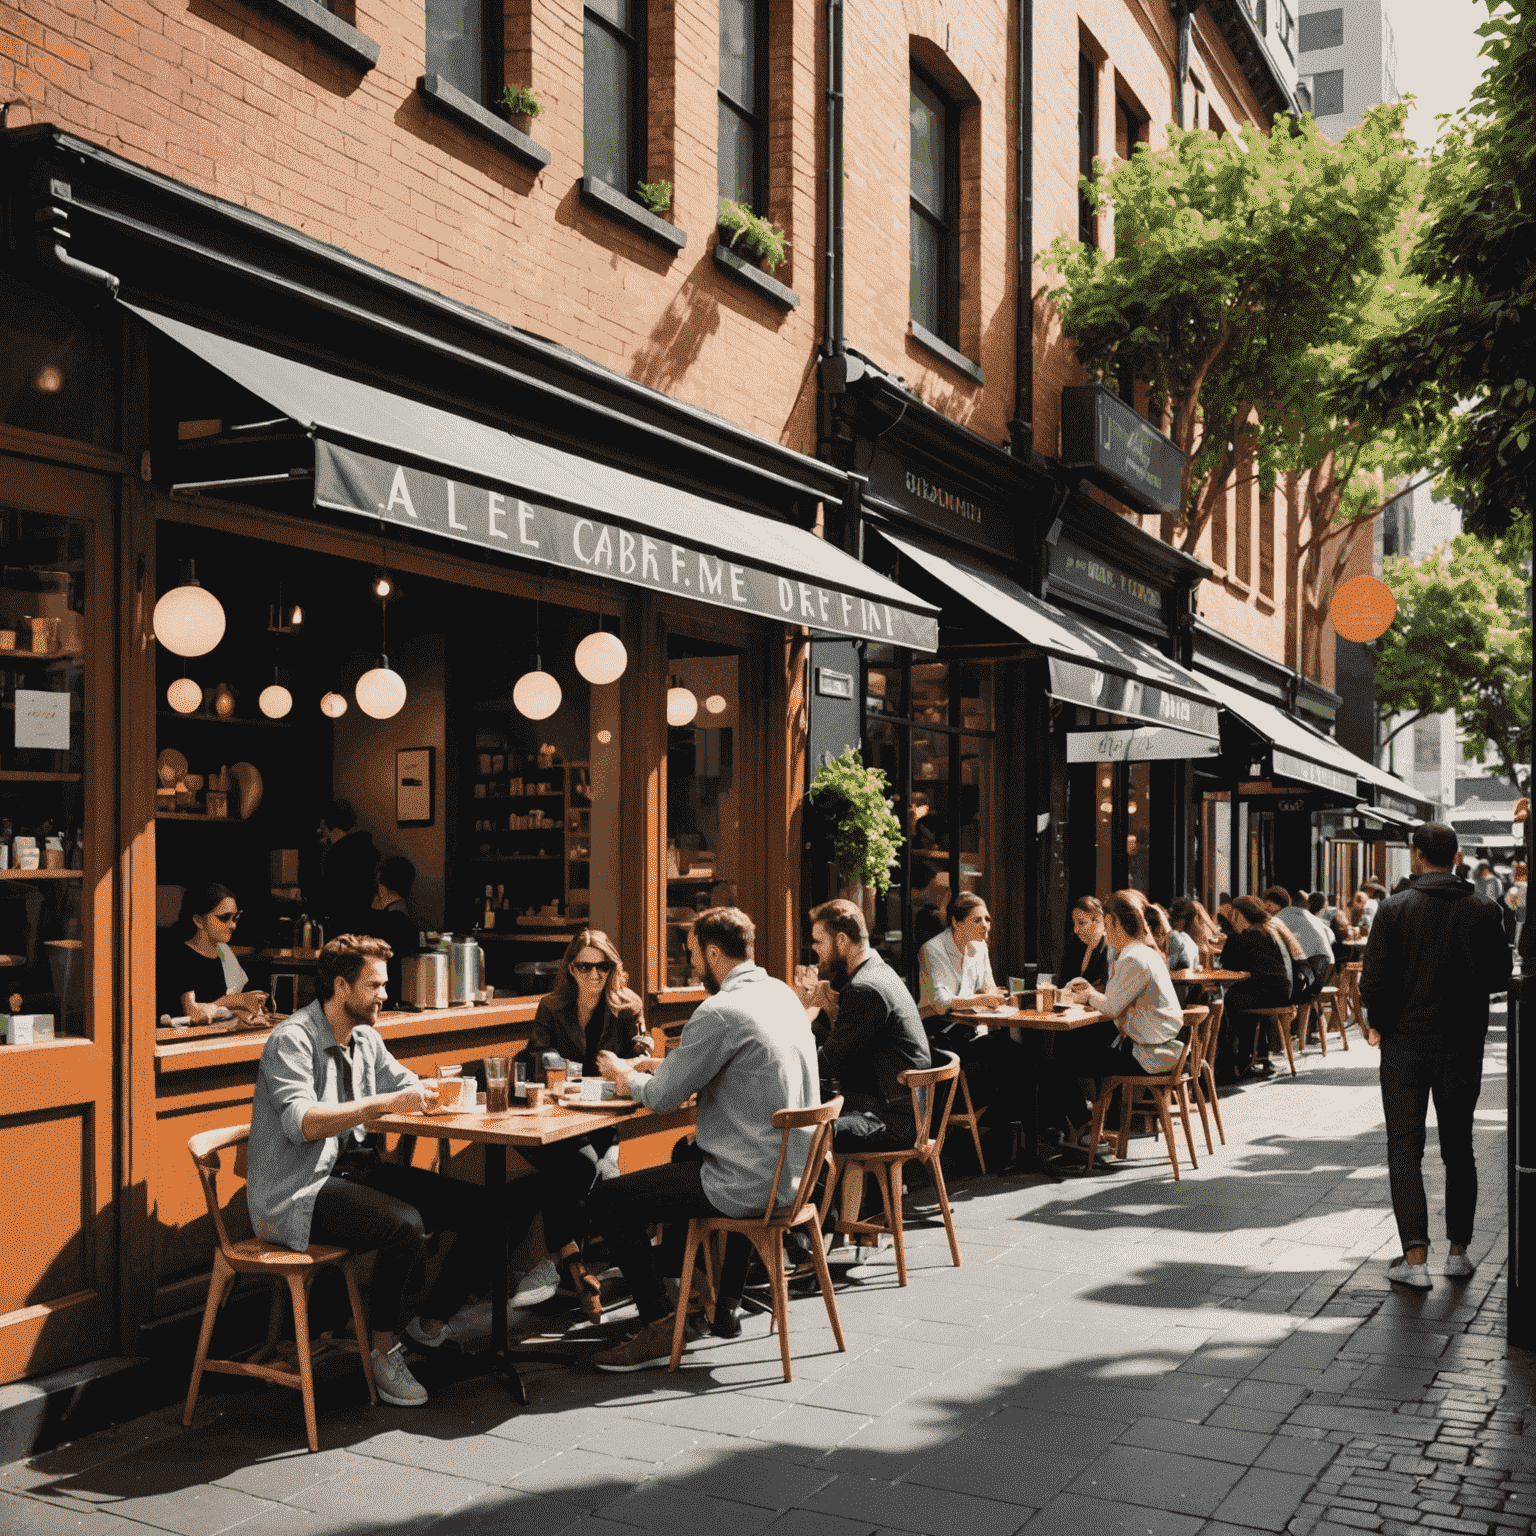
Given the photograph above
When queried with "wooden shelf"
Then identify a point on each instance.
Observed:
(10, 658)
(262, 724)
(192, 816)
(520, 858)
(22, 776)
(42, 874)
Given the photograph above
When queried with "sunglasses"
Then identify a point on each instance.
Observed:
(591, 967)
(227, 917)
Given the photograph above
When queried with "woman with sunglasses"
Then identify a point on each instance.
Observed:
(590, 1010)
(201, 975)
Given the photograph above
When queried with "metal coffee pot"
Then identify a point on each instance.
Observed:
(466, 970)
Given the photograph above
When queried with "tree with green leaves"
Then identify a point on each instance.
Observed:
(1462, 366)
(1462, 641)
(1249, 269)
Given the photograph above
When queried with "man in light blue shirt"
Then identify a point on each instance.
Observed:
(747, 1051)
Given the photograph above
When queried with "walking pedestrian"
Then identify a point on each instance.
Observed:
(1436, 951)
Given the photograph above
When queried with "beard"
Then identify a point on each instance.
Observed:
(834, 973)
(359, 1015)
(709, 983)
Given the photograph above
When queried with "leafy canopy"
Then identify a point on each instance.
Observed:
(1462, 641)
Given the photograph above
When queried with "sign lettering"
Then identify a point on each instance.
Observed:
(1136, 744)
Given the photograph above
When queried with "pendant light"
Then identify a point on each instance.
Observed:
(536, 694)
(189, 620)
(682, 704)
(184, 696)
(715, 704)
(275, 700)
(601, 657)
(380, 691)
(333, 705)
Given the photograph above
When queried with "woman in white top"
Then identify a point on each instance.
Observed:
(1139, 999)
(955, 964)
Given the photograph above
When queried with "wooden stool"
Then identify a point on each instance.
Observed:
(1284, 1018)
(253, 1256)
(1352, 994)
(1328, 1011)
(970, 1119)
(1200, 1072)
(1166, 1088)
(888, 1167)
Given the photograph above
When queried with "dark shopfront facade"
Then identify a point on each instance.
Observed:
(182, 379)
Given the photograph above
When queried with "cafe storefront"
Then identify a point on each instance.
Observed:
(411, 524)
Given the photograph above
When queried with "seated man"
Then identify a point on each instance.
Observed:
(1313, 937)
(746, 1052)
(317, 1177)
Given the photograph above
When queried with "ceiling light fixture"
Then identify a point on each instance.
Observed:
(189, 620)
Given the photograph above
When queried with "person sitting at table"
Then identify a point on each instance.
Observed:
(747, 1051)
(1312, 937)
(1140, 1002)
(317, 1176)
(955, 967)
(198, 973)
(1086, 953)
(590, 1010)
(1260, 952)
(1191, 921)
(390, 918)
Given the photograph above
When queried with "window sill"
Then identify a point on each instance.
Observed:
(449, 101)
(1264, 603)
(943, 351)
(1242, 588)
(743, 271)
(330, 32)
(603, 199)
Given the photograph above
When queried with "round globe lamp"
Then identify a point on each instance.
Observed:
(333, 705)
(682, 705)
(601, 658)
(275, 701)
(189, 620)
(184, 696)
(381, 692)
(715, 704)
(536, 695)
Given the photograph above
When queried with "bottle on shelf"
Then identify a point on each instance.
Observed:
(488, 916)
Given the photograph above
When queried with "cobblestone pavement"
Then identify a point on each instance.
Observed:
(1121, 1356)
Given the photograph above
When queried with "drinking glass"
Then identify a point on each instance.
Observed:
(520, 1078)
(573, 1071)
(495, 1085)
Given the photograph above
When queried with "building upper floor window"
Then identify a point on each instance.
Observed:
(1129, 128)
(1087, 140)
(1322, 29)
(464, 46)
(742, 165)
(1325, 91)
(935, 191)
(613, 92)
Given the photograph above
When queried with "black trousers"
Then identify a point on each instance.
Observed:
(567, 1173)
(623, 1208)
(1095, 1055)
(1412, 1073)
(389, 1209)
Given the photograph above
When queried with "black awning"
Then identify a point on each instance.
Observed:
(392, 459)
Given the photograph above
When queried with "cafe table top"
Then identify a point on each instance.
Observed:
(1221, 977)
(523, 1127)
(1070, 1017)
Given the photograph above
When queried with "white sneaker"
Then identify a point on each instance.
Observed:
(417, 1334)
(1414, 1276)
(393, 1381)
(539, 1284)
(1459, 1267)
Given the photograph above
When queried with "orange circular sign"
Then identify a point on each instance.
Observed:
(1362, 609)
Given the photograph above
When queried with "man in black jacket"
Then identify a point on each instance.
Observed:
(1436, 951)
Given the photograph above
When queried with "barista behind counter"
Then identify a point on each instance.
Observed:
(390, 919)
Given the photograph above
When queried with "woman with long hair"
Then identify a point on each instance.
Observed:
(1254, 948)
(1190, 918)
(1087, 952)
(591, 1009)
(199, 974)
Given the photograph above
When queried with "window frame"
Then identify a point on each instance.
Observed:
(492, 54)
(1087, 142)
(635, 43)
(1313, 21)
(946, 223)
(758, 120)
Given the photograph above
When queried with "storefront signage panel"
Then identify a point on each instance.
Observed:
(1313, 773)
(348, 481)
(1101, 434)
(1138, 744)
(940, 501)
(1390, 802)
(1079, 572)
(1096, 689)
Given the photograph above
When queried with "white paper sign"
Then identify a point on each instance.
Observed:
(42, 719)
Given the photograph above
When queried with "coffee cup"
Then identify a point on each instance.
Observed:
(592, 1089)
(534, 1095)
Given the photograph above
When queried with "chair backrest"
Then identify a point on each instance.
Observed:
(205, 1148)
(1196, 1039)
(921, 1080)
(818, 1155)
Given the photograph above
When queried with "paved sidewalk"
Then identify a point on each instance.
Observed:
(1121, 1356)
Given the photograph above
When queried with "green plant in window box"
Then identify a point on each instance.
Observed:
(866, 836)
(656, 195)
(759, 238)
(520, 101)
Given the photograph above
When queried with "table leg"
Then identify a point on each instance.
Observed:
(502, 1368)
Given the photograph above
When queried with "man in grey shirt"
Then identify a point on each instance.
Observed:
(746, 1052)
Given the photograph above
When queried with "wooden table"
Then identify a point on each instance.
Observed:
(1210, 978)
(521, 1127)
(1070, 1017)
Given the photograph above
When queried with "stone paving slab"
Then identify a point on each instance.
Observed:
(1124, 1355)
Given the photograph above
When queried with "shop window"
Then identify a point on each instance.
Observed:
(464, 46)
(56, 377)
(703, 827)
(1087, 142)
(44, 781)
(1215, 850)
(614, 92)
(742, 167)
(934, 207)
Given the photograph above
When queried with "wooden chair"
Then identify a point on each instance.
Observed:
(1284, 1019)
(1352, 1003)
(766, 1233)
(889, 1168)
(1202, 1046)
(1327, 1009)
(254, 1256)
(1164, 1089)
(971, 1119)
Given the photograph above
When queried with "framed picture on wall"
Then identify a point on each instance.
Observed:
(413, 786)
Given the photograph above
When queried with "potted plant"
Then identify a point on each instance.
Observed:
(750, 234)
(520, 104)
(655, 195)
(866, 837)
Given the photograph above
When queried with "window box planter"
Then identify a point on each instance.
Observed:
(753, 277)
(942, 350)
(613, 204)
(330, 32)
(447, 100)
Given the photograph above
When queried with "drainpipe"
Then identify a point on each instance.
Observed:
(833, 344)
(1022, 428)
(50, 236)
